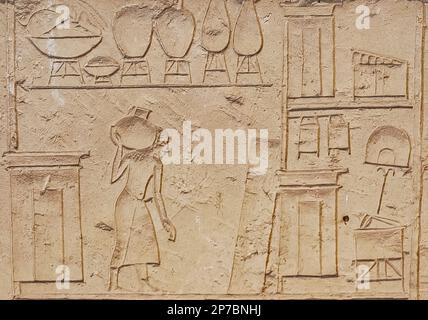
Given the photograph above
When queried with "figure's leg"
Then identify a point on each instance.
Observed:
(123, 218)
(145, 240)
(114, 279)
(115, 264)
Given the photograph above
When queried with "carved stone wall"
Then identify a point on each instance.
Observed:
(340, 210)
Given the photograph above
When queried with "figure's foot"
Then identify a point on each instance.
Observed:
(147, 287)
(115, 288)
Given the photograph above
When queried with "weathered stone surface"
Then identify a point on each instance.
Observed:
(332, 93)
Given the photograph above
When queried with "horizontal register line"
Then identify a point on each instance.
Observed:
(183, 86)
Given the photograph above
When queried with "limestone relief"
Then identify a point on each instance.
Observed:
(213, 149)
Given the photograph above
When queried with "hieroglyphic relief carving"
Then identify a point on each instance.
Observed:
(389, 146)
(65, 62)
(65, 44)
(102, 68)
(309, 136)
(328, 136)
(380, 250)
(309, 252)
(138, 160)
(134, 48)
(45, 201)
(303, 101)
(324, 135)
(339, 135)
(248, 41)
(379, 76)
(174, 22)
(323, 101)
(307, 243)
(45, 26)
(379, 240)
(216, 37)
(311, 50)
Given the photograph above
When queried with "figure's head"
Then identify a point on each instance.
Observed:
(135, 131)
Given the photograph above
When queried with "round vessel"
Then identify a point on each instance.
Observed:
(175, 29)
(135, 131)
(132, 30)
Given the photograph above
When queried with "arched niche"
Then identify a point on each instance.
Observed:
(389, 146)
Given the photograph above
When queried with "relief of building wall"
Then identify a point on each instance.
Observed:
(343, 196)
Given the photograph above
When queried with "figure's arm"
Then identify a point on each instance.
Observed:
(119, 167)
(159, 202)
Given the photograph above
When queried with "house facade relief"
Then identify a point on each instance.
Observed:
(218, 149)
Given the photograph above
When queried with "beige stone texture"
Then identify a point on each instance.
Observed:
(87, 86)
